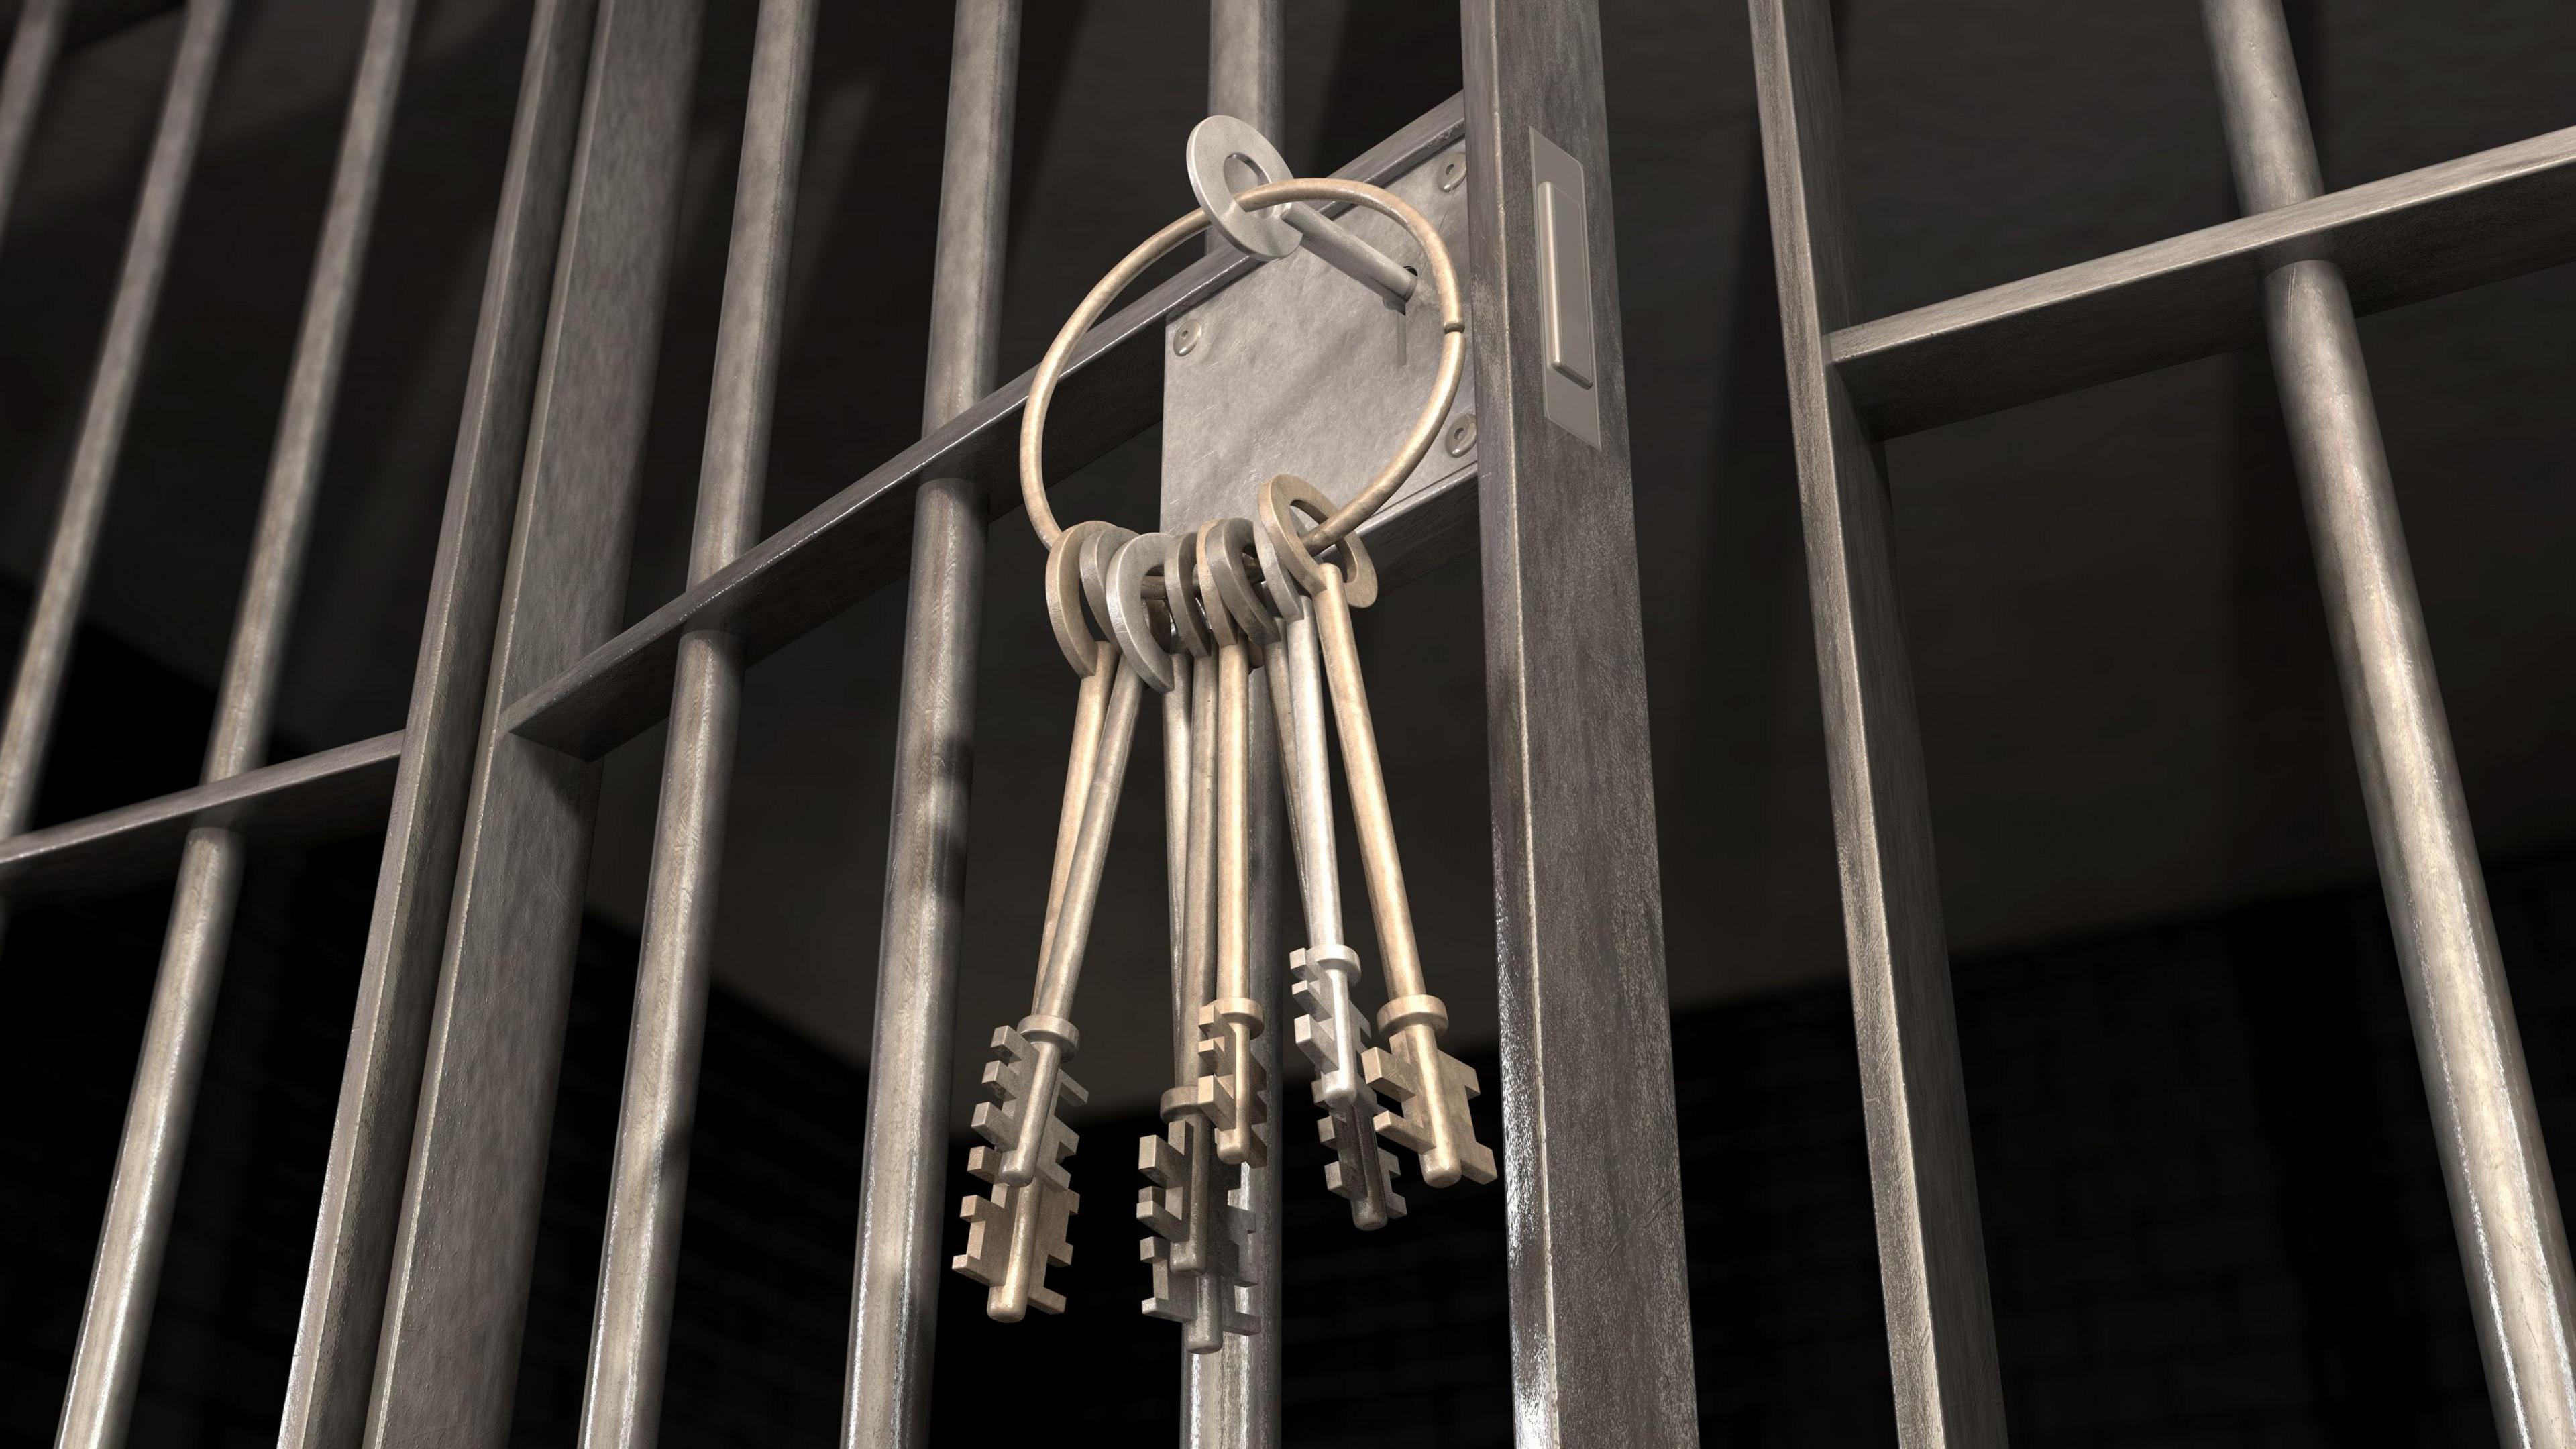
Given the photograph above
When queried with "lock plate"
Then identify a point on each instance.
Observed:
(1298, 369)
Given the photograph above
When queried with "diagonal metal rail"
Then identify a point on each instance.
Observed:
(325, 796)
(856, 542)
(2464, 223)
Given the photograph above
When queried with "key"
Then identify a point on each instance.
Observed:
(1197, 1233)
(1431, 1088)
(1231, 1091)
(1020, 1227)
(1329, 1029)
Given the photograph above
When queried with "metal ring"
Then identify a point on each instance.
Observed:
(1131, 622)
(1181, 594)
(1246, 604)
(1287, 596)
(1281, 498)
(1437, 270)
(1220, 620)
(1097, 551)
(1068, 591)
(1216, 141)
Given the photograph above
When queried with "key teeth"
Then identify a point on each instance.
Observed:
(1410, 1125)
(995, 1221)
(1213, 1232)
(992, 1241)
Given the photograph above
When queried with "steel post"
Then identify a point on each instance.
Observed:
(648, 1184)
(463, 1250)
(1601, 1341)
(344, 1289)
(894, 1296)
(2504, 1204)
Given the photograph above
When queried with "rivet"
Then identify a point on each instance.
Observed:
(1462, 435)
(1453, 173)
(1185, 337)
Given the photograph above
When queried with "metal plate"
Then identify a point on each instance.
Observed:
(1298, 369)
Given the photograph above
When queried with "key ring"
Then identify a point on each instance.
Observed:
(1442, 276)
(1077, 589)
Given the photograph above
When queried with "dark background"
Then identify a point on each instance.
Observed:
(2211, 1201)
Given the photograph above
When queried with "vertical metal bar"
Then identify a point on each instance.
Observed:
(2504, 1204)
(118, 1317)
(1244, 59)
(458, 1296)
(630, 1336)
(1230, 1398)
(56, 615)
(344, 1289)
(894, 1294)
(1931, 1250)
(1244, 69)
(33, 47)
(1601, 1350)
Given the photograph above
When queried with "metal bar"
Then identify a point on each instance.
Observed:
(56, 616)
(1230, 1398)
(2504, 1204)
(344, 1288)
(1931, 1251)
(2464, 223)
(1244, 68)
(894, 1292)
(648, 1183)
(33, 47)
(467, 1235)
(107, 1365)
(335, 793)
(854, 543)
(1601, 1338)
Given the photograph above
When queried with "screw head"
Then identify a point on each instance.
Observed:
(1453, 173)
(1185, 338)
(1462, 435)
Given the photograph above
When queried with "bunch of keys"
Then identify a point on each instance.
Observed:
(1192, 616)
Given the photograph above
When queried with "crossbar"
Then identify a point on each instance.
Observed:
(2463, 223)
(858, 540)
(336, 793)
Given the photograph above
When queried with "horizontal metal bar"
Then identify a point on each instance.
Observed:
(2479, 219)
(336, 793)
(858, 540)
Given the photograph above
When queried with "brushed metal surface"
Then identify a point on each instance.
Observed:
(639, 1265)
(1931, 1249)
(2504, 1202)
(448, 1364)
(856, 541)
(338, 792)
(1601, 1335)
(2466, 222)
(117, 1319)
(1298, 369)
(337, 1328)
(1565, 289)
(45, 654)
(894, 1292)
(34, 45)
(1230, 1398)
